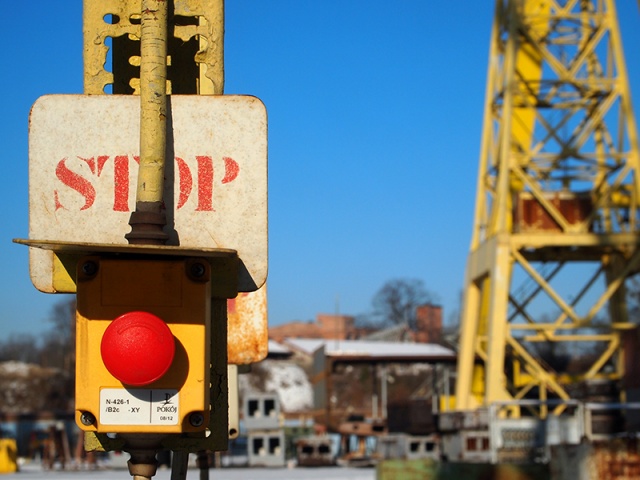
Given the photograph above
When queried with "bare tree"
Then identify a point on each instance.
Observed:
(25, 386)
(56, 346)
(21, 348)
(59, 343)
(395, 303)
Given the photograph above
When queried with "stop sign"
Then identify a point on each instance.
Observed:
(83, 159)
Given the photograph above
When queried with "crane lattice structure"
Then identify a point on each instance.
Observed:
(557, 190)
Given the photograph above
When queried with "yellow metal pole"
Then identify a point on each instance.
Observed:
(153, 100)
(148, 219)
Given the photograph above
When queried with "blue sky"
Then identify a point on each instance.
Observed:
(375, 112)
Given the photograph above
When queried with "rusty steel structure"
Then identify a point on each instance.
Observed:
(556, 231)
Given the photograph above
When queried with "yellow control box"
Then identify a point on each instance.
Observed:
(133, 374)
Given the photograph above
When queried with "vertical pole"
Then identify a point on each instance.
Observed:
(179, 465)
(148, 219)
(328, 370)
(374, 390)
(383, 391)
(203, 464)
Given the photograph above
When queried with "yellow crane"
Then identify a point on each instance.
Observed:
(557, 192)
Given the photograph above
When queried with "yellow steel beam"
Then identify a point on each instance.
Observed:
(493, 298)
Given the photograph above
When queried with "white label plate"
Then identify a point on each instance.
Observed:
(120, 406)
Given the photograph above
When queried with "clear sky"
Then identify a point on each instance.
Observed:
(375, 112)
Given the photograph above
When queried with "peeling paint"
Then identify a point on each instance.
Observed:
(247, 327)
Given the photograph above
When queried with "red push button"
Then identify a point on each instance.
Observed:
(137, 348)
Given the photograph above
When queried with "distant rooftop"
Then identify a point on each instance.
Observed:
(396, 333)
(374, 350)
(278, 349)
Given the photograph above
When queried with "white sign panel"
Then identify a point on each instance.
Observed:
(119, 406)
(83, 164)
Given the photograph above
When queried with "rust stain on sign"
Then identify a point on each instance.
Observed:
(247, 337)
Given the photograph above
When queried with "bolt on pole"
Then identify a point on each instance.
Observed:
(148, 219)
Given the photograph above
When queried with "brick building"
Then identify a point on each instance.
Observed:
(342, 327)
(330, 327)
(428, 324)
